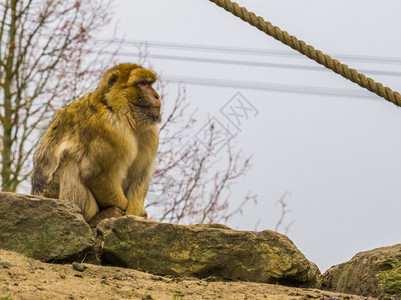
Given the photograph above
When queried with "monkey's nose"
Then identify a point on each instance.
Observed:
(157, 103)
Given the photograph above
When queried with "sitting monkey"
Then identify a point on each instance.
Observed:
(99, 151)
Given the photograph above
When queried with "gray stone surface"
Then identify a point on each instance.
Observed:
(375, 273)
(41, 228)
(204, 250)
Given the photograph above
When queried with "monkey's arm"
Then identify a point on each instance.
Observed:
(141, 172)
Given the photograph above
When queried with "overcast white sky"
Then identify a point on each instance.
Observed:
(338, 155)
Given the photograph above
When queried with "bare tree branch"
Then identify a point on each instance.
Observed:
(284, 212)
(191, 183)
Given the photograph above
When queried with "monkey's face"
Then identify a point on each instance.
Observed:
(131, 86)
(145, 101)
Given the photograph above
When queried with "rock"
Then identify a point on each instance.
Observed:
(374, 273)
(41, 228)
(204, 250)
(78, 267)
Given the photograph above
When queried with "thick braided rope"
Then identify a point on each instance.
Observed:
(309, 51)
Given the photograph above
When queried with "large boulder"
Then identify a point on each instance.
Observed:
(374, 273)
(41, 228)
(204, 250)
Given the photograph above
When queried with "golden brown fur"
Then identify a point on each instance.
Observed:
(99, 151)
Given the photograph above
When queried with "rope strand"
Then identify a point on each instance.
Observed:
(310, 51)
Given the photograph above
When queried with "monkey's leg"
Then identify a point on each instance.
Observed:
(107, 191)
(73, 190)
(136, 200)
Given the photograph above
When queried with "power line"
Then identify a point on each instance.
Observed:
(249, 51)
(247, 63)
(286, 88)
(297, 89)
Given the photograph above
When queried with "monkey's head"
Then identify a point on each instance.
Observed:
(128, 88)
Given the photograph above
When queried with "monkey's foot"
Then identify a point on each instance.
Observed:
(109, 212)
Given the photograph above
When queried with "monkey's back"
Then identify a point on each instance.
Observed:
(69, 138)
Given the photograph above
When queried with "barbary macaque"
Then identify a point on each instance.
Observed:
(99, 151)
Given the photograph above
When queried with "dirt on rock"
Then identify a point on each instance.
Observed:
(25, 278)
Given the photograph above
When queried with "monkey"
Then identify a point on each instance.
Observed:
(99, 151)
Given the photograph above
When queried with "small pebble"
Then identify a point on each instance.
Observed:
(78, 267)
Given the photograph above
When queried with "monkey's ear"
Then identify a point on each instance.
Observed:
(112, 80)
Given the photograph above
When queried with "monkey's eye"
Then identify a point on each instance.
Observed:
(142, 83)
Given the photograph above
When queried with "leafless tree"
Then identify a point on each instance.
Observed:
(44, 51)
